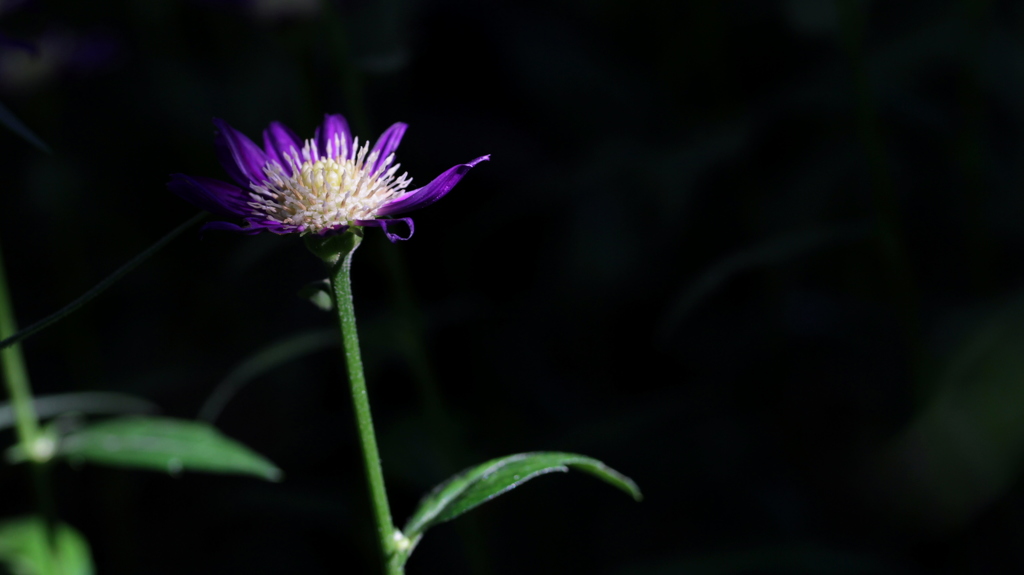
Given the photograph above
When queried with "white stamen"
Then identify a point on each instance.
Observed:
(325, 192)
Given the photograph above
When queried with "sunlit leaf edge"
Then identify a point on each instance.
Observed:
(228, 456)
(440, 504)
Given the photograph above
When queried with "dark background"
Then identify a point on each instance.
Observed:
(765, 257)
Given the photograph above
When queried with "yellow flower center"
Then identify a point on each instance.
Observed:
(324, 193)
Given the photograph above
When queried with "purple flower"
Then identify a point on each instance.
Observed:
(325, 186)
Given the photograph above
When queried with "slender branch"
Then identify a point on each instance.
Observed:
(26, 422)
(9, 339)
(277, 353)
(341, 283)
(43, 487)
(15, 375)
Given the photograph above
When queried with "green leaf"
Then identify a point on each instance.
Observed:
(482, 483)
(766, 253)
(318, 293)
(271, 357)
(24, 549)
(86, 402)
(164, 444)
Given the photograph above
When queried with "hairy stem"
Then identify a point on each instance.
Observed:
(341, 288)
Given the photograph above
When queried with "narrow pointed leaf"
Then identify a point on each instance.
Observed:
(8, 119)
(103, 285)
(271, 357)
(23, 549)
(318, 293)
(164, 444)
(86, 402)
(482, 483)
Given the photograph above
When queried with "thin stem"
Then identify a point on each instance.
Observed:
(15, 375)
(26, 422)
(43, 488)
(8, 339)
(341, 285)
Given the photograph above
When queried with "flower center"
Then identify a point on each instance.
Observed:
(326, 192)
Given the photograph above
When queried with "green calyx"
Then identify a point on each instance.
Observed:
(331, 248)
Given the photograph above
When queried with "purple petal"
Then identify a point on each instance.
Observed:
(387, 143)
(214, 196)
(242, 159)
(334, 130)
(429, 193)
(270, 225)
(383, 224)
(338, 229)
(278, 141)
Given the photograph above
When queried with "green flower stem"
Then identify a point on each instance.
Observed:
(42, 485)
(392, 543)
(15, 375)
(26, 422)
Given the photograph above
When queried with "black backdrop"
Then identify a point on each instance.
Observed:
(763, 257)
